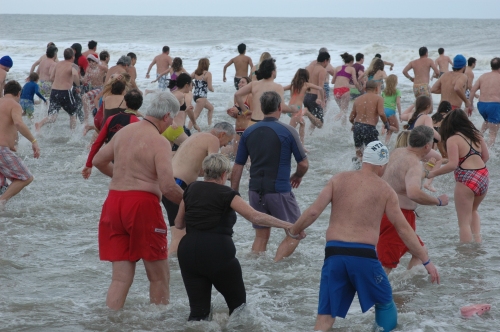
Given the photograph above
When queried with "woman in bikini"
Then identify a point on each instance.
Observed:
(242, 117)
(443, 109)
(376, 73)
(177, 132)
(202, 81)
(341, 90)
(299, 86)
(420, 117)
(467, 157)
(174, 72)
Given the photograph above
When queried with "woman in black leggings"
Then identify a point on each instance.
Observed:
(207, 253)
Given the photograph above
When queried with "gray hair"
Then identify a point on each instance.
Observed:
(163, 103)
(269, 102)
(323, 49)
(214, 165)
(225, 127)
(420, 136)
(124, 60)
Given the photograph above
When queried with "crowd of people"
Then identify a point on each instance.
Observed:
(372, 219)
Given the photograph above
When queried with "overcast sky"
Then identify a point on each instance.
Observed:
(274, 8)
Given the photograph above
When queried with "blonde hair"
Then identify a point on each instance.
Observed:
(390, 85)
(264, 56)
(124, 77)
(214, 165)
(370, 67)
(403, 138)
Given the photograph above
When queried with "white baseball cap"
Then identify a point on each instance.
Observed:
(376, 153)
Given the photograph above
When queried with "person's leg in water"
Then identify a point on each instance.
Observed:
(121, 280)
(464, 202)
(300, 121)
(158, 273)
(386, 316)
(393, 122)
(261, 238)
(343, 103)
(177, 235)
(13, 189)
(493, 128)
(414, 261)
(476, 220)
(324, 322)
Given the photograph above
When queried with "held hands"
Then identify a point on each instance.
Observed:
(299, 236)
(86, 172)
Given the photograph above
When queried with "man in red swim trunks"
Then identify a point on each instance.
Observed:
(132, 225)
(404, 174)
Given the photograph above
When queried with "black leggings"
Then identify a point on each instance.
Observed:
(208, 259)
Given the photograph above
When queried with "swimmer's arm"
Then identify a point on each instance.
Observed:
(150, 66)
(17, 118)
(241, 93)
(52, 73)
(334, 76)
(485, 154)
(428, 122)
(406, 69)
(180, 223)
(301, 170)
(209, 81)
(316, 87)
(449, 61)
(436, 87)
(76, 77)
(414, 192)
(36, 64)
(407, 234)
(163, 165)
(287, 87)
(352, 116)
(236, 176)
(230, 62)
(408, 113)
(284, 106)
(256, 217)
(250, 63)
(162, 73)
(435, 68)
(475, 87)
(357, 83)
(322, 76)
(37, 91)
(459, 90)
(453, 156)
(398, 104)
(387, 63)
(380, 110)
(314, 211)
(330, 70)
(103, 159)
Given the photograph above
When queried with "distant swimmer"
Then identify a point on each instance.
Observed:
(63, 76)
(375, 72)
(467, 158)
(443, 62)
(471, 64)
(366, 111)
(131, 226)
(163, 62)
(11, 166)
(93, 82)
(5, 64)
(489, 100)
(360, 70)
(270, 186)
(392, 101)
(315, 102)
(27, 101)
(241, 63)
(186, 165)
(341, 90)
(267, 73)
(206, 254)
(133, 101)
(44, 69)
(452, 84)
(242, 117)
(92, 45)
(358, 200)
(131, 69)
(330, 70)
(37, 62)
(404, 174)
(202, 83)
(387, 63)
(421, 70)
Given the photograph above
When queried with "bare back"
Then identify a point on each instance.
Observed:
(488, 84)
(63, 75)
(449, 83)
(136, 151)
(44, 68)
(367, 108)
(443, 62)
(187, 160)
(94, 75)
(421, 69)
(317, 74)
(163, 62)
(241, 64)
(118, 69)
(402, 165)
(8, 132)
(258, 88)
(356, 214)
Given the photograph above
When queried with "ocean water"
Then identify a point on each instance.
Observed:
(51, 278)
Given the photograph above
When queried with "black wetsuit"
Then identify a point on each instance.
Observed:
(207, 252)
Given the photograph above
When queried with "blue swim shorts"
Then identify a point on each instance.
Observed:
(351, 267)
(326, 88)
(490, 111)
(279, 205)
(28, 106)
(389, 112)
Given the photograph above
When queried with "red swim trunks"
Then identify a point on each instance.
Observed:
(132, 227)
(390, 247)
(339, 92)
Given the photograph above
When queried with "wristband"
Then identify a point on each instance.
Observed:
(33, 141)
(440, 203)
(426, 263)
(296, 237)
(430, 164)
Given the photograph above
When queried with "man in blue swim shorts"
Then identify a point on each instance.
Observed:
(489, 100)
(358, 201)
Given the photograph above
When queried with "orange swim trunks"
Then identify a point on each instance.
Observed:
(390, 247)
(132, 227)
